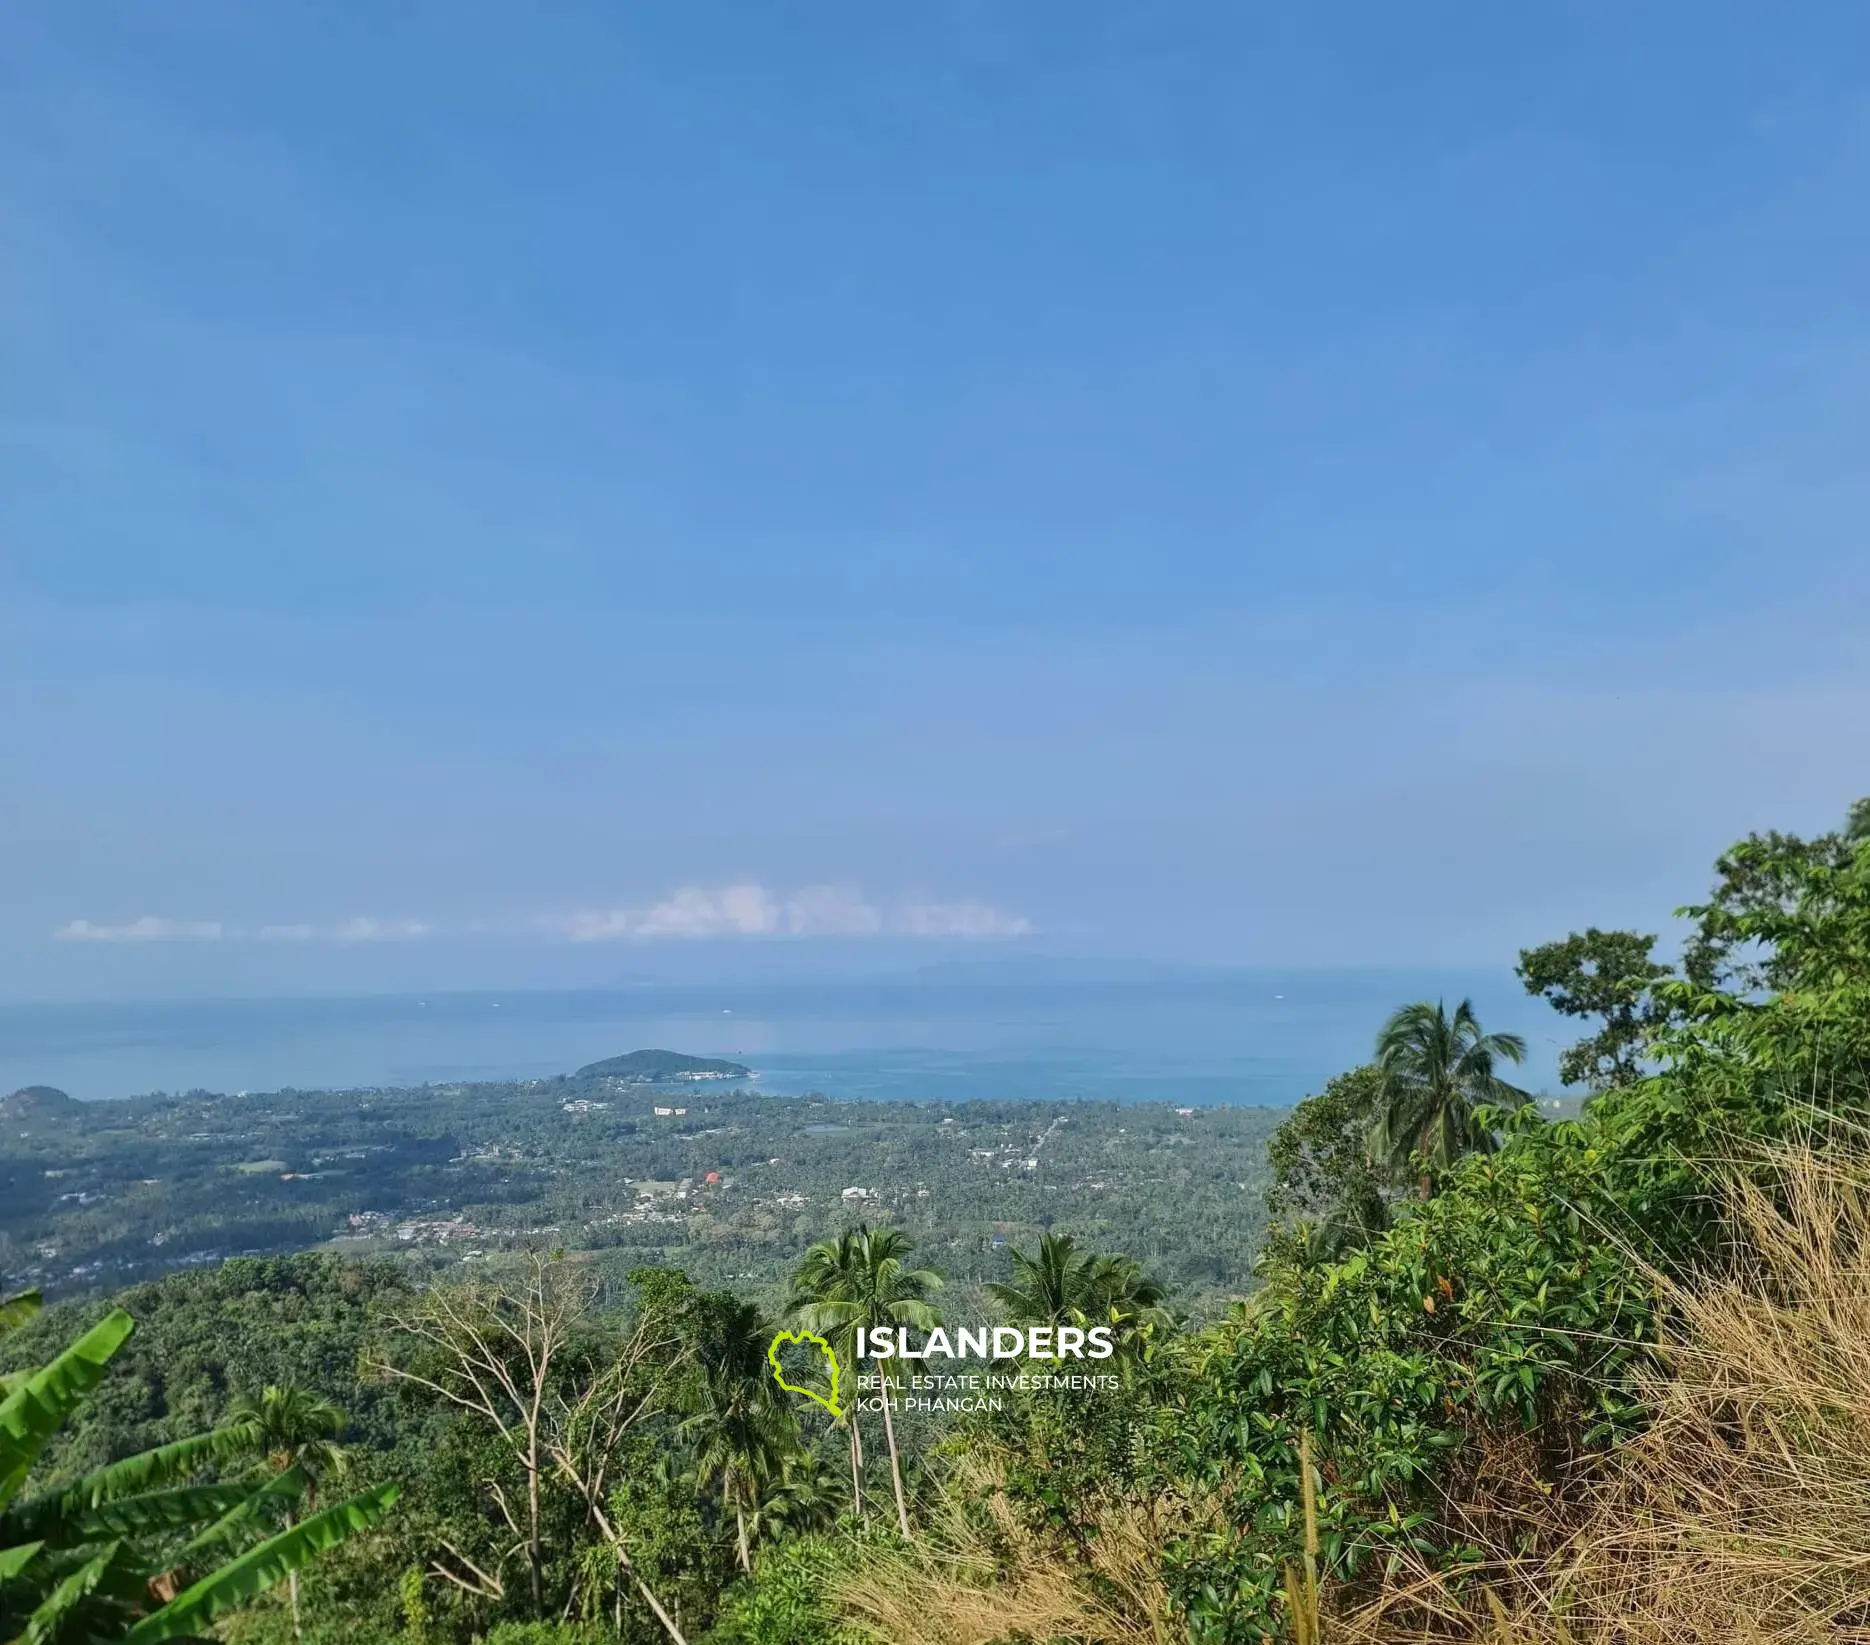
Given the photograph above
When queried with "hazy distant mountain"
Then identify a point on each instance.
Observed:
(657, 1067)
(35, 1099)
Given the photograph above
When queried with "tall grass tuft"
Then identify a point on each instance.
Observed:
(1742, 1515)
(1302, 1594)
(979, 1573)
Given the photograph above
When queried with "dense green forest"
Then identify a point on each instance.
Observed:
(635, 1159)
(1498, 1376)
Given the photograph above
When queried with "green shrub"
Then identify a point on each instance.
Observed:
(787, 1600)
(548, 1633)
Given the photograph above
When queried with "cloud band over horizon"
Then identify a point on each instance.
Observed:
(690, 912)
(751, 910)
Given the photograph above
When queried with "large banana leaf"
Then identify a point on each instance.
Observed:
(15, 1560)
(254, 1572)
(130, 1524)
(45, 1514)
(32, 1413)
(148, 1469)
(108, 1583)
(152, 1514)
(281, 1488)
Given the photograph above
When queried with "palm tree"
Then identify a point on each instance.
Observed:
(863, 1279)
(292, 1427)
(745, 1430)
(1436, 1071)
(806, 1495)
(1059, 1285)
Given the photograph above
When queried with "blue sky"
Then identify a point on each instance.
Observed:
(494, 494)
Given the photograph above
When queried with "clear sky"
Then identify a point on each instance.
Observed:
(500, 493)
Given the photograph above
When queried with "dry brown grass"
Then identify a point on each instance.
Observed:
(978, 1573)
(1741, 1517)
(1743, 1514)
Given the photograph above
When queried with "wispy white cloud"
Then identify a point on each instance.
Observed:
(734, 910)
(691, 911)
(751, 910)
(742, 909)
(364, 928)
(147, 929)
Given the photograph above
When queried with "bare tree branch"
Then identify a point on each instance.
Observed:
(482, 1587)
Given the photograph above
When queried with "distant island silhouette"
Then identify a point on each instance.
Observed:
(660, 1067)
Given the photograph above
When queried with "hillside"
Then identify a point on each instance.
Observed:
(33, 1101)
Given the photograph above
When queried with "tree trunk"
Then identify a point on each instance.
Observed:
(292, 1589)
(857, 1467)
(662, 1616)
(1425, 1188)
(740, 1525)
(896, 1472)
(533, 1553)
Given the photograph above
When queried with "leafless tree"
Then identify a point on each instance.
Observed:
(515, 1356)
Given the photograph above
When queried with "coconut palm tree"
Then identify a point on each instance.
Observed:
(292, 1427)
(806, 1495)
(828, 1267)
(863, 1279)
(1061, 1285)
(744, 1430)
(1437, 1070)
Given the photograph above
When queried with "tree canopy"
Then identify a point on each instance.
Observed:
(1440, 1086)
(1609, 975)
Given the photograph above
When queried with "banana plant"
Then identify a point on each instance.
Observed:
(140, 1551)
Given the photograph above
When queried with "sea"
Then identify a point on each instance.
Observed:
(1192, 1038)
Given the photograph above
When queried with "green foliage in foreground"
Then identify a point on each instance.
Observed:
(1512, 1306)
(1507, 1302)
(138, 1550)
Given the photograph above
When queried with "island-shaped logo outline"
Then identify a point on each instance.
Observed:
(772, 1359)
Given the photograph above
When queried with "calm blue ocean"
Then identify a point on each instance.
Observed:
(1259, 1037)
